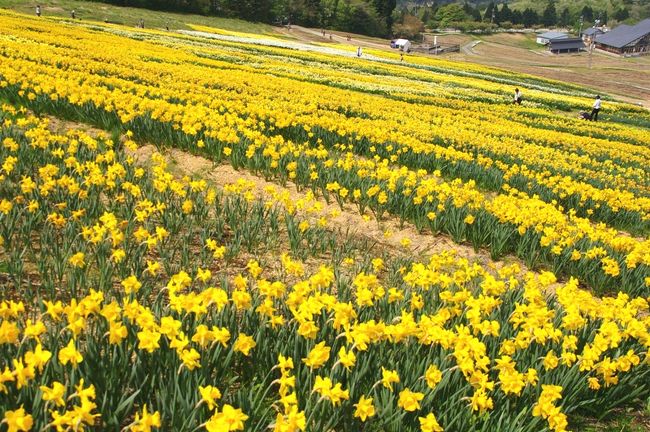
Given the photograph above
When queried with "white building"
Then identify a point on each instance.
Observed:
(545, 38)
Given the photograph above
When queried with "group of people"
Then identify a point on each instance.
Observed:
(593, 116)
(73, 13)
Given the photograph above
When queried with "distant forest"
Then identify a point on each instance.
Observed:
(370, 17)
(486, 15)
(408, 18)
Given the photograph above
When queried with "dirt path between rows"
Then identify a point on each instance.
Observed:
(308, 35)
(386, 233)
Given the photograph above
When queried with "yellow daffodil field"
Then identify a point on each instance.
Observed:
(134, 297)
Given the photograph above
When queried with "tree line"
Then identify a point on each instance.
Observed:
(370, 17)
(469, 17)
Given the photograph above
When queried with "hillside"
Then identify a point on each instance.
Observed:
(211, 230)
(368, 17)
(129, 16)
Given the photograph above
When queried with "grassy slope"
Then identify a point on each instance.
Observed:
(129, 16)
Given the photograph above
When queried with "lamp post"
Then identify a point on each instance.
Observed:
(582, 19)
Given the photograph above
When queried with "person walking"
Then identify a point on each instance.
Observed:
(596, 109)
(38, 10)
(72, 14)
(359, 52)
(518, 97)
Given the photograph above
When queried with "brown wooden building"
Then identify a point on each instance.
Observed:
(626, 40)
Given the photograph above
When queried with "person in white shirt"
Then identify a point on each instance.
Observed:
(38, 10)
(518, 97)
(596, 108)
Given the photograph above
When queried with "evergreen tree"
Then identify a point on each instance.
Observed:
(530, 17)
(489, 13)
(549, 17)
(587, 14)
(621, 14)
(472, 12)
(426, 15)
(505, 14)
(565, 17)
(385, 10)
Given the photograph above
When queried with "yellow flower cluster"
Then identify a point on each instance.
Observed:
(557, 175)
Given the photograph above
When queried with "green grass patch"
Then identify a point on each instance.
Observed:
(632, 419)
(528, 41)
(96, 11)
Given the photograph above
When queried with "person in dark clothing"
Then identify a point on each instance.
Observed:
(518, 97)
(38, 10)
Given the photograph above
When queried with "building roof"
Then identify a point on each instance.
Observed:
(553, 35)
(592, 31)
(624, 35)
(568, 43)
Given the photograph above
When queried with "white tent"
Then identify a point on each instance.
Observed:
(403, 45)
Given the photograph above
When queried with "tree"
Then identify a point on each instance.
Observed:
(505, 14)
(530, 17)
(409, 27)
(426, 15)
(450, 13)
(364, 20)
(384, 9)
(565, 17)
(621, 14)
(587, 14)
(472, 12)
(549, 17)
(489, 13)
(330, 12)
(517, 17)
(257, 10)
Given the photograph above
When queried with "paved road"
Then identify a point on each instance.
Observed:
(468, 48)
